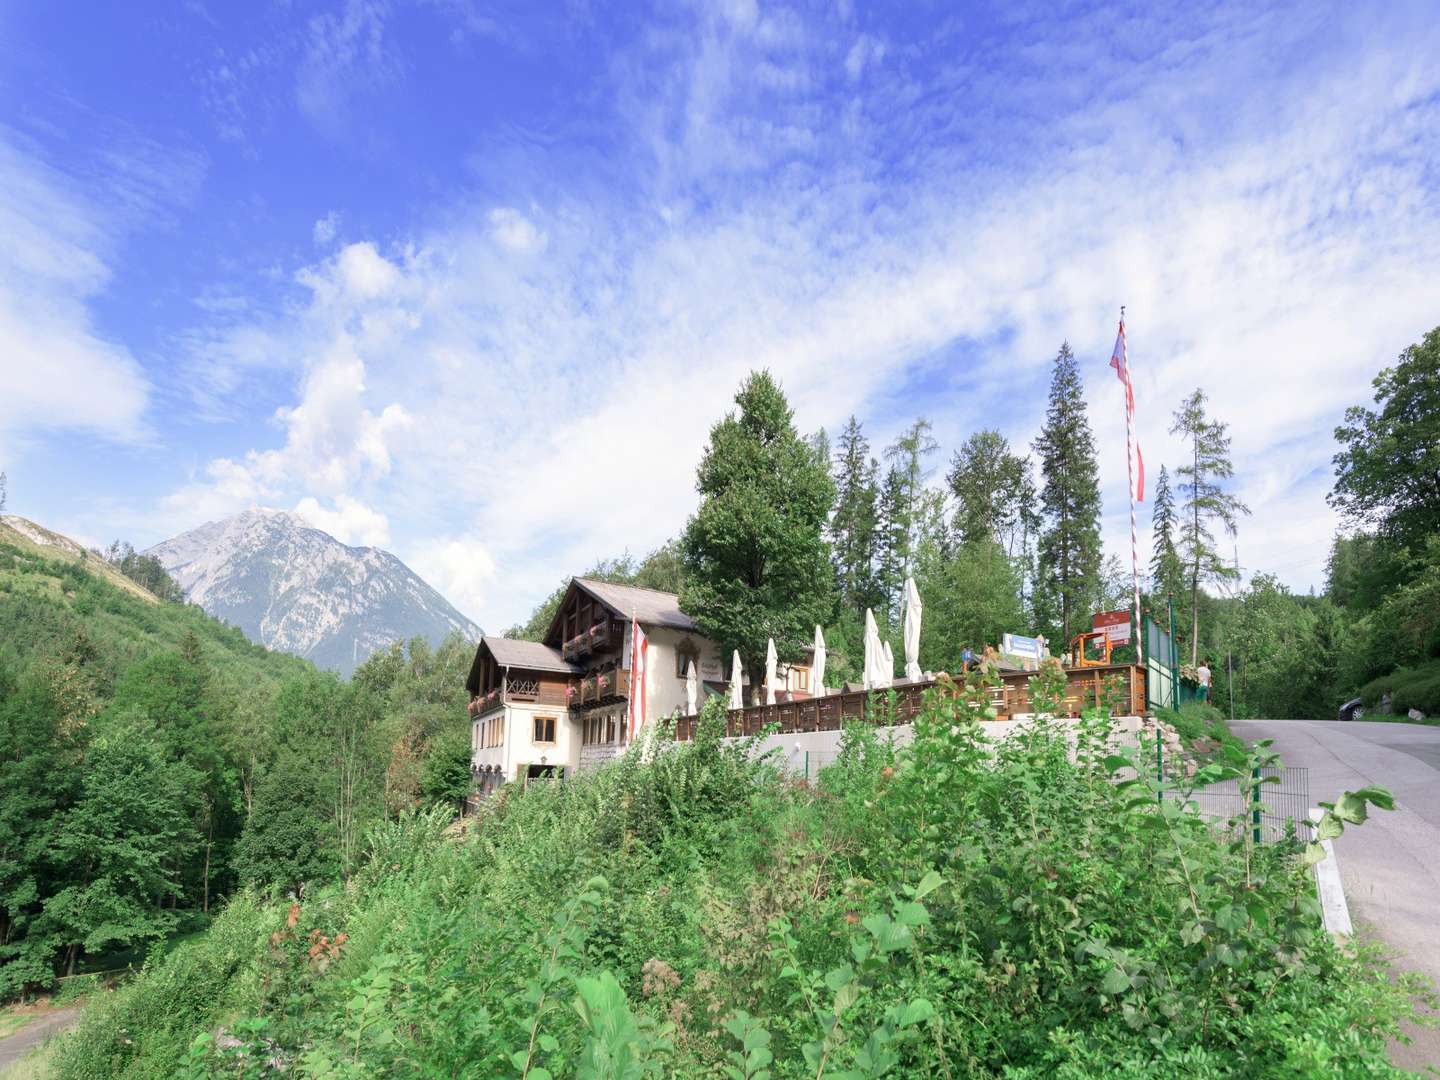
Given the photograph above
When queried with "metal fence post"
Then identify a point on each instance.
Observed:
(1159, 763)
(1255, 804)
(807, 765)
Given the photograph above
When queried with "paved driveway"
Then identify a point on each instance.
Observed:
(16, 1046)
(1391, 864)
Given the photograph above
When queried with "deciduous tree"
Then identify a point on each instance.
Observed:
(756, 562)
(1387, 471)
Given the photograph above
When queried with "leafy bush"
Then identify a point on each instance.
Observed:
(955, 908)
(1197, 720)
(1409, 688)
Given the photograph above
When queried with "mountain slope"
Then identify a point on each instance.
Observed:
(292, 587)
(27, 536)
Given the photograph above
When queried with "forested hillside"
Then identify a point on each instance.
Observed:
(152, 759)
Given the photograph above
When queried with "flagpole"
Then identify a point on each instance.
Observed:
(1130, 474)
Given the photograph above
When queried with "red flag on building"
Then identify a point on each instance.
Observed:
(639, 660)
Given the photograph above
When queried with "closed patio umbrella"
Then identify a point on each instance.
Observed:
(913, 608)
(887, 664)
(770, 662)
(737, 679)
(872, 652)
(817, 666)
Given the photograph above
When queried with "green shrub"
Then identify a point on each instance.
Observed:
(1409, 688)
(959, 907)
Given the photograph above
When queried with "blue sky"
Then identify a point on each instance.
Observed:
(472, 281)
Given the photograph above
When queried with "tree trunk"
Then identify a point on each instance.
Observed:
(70, 961)
(209, 839)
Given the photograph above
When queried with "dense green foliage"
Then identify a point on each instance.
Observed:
(152, 760)
(756, 563)
(960, 908)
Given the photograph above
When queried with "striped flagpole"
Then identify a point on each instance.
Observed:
(1130, 473)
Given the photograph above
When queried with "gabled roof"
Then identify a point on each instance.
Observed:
(527, 655)
(651, 606)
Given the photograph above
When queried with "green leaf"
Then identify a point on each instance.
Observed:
(835, 978)
(1380, 796)
(928, 884)
(548, 1043)
(911, 913)
(916, 1012)
(1330, 827)
(1115, 982)
(1351, 807)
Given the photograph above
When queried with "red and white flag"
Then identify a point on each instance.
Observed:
(639, 669)
(1120, 361)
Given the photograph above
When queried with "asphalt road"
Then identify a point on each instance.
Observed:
(1390, 866)
(16, 1046)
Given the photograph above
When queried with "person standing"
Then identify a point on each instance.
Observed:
(1203, 671)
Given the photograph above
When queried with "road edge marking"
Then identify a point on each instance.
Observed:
(1334, 911)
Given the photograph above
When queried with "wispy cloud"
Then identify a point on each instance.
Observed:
(522, 391)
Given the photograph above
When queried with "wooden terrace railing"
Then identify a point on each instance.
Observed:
(1012, 697)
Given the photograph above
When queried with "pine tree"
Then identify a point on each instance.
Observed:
(756, 562)
(1069, 554)
(853, 526)
(1205, 502)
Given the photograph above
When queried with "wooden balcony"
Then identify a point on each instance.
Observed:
(607, 636)
(599, 688)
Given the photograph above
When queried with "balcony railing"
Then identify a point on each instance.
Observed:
(602, 637)
(600, 687)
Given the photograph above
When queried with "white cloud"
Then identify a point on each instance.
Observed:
(513, 230)
(350, 521)
(326, 228)
(463, 570)
(866, 50)
(59, 373)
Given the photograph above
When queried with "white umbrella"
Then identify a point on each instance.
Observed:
(737, 695)
(817, 666)
(913, 608)
(887, 662)
(872, 649)
(770, 661)
(692, 690)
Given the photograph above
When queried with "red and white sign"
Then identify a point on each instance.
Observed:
(639, 660)
(1116, 625)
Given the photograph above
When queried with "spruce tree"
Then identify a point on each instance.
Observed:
(1166, 572)
(1069, 554)
(756, 562)
(1205, 502)
(853, 526)
(893, 550)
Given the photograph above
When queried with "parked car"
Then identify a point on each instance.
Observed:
(1351, 710)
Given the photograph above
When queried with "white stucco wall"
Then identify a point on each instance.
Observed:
(666, 690)
(520, 748)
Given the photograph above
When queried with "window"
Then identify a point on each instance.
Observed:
(686, 653)
(800, 678)
(544, 729)
(599, 729)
